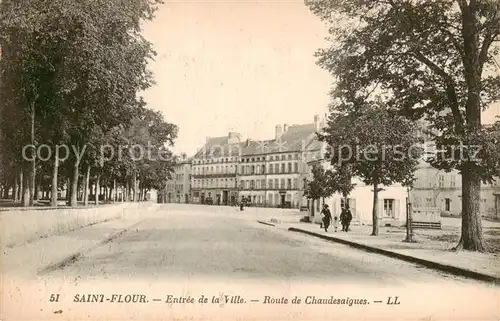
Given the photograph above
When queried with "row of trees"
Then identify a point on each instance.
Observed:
(422, 60)
(71, 73)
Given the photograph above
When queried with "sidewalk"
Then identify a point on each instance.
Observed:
(36, 258)
(432, 247)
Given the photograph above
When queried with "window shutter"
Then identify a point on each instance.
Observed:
(397, 208)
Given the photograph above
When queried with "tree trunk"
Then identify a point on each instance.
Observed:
(21, 186)
(68, 190)
(33, 165)
(86, 186)
(26, 190)
(313, 207)
(74, 186)
(471, 238)
(6, 191)
(134, 187)
(114, 189)
(97, 189)
(15, 189)
(375, 210)
(38, 188)
(127, 191)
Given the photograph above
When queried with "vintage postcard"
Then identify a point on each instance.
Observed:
(250, 160)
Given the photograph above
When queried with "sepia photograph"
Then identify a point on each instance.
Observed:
(250, 160)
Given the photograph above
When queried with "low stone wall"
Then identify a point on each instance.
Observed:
(21, 225)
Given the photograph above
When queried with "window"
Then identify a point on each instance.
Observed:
(252, 184)
(295, 183)
(283, 167)
(289, 167)
(263, 183)
(289, 184)
(289, 157)
(282, 157)
(447, 204)
(388, 207)
(428, 201)
(441, 181)
(263, 169)
(282, 184)
(271, 168)
(296, 167)
(277, 168)
(276, 183)
(270, 184)
(452, 181)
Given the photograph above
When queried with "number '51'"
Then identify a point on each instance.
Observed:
(54, 298)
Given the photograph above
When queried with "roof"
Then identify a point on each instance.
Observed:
(217, 147)
(295, 139)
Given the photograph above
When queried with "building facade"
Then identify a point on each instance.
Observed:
(272, 172)
(214, 171)
(438, 189)
(178, 188)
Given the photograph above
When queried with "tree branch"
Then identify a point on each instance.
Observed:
(450, 87)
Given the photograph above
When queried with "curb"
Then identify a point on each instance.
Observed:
(430, 264)
(74, 257)
(265, 223)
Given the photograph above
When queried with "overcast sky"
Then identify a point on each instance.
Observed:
(240, 66)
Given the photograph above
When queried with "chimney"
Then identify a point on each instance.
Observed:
(278, 132)
(316, 122)
(285, 128)
(234, 138)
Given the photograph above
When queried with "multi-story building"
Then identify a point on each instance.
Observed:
(178, 188)
(214, 178)
(441, 190)
(272, 172)
(435, 188)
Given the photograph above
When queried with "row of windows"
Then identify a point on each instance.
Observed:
(214, 183)
(271, 158)
(445, 181)
(222, 169)
(248, 169)
(214, 160)
(179, 177)
(246, 159)
(271, 184)
(174, 187)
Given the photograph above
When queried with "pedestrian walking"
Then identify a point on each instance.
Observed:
(327, 217)
(346, 218)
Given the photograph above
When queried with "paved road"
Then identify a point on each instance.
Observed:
(186, 250)
(186, 242)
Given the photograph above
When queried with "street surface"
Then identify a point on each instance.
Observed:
(188, 250)
(186, 241)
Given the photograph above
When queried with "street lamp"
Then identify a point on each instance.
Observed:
(409, 227)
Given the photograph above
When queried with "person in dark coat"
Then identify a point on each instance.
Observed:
(327, 217)
(346, 218)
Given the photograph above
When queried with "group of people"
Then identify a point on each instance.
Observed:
(345, 218)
